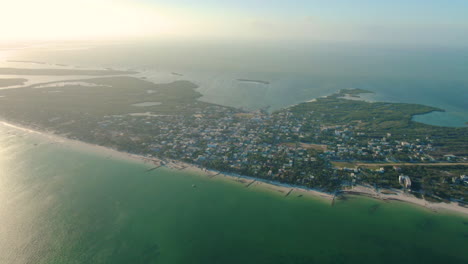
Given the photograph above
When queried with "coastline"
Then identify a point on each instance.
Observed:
(388, 195)
(246, 181)
(154, 163)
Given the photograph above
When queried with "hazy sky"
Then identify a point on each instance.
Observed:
(440, 22)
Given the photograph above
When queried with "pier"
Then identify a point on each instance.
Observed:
(252, 182)
(333, 200)
(334, 197)
(214, 175)
(155, 168)
(290, 191)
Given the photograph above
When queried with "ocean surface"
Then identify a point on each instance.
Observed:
(63, 205)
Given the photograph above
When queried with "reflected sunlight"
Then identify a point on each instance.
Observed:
(78, 20)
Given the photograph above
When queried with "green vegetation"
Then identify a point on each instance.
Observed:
(114, 96)
(377, 120)
(316, 144)
(75, 110)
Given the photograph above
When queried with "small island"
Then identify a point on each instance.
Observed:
(254, 81)
(61, 72)
(26, 61)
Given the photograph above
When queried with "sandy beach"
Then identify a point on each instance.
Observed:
(399, 195)
(248, 182)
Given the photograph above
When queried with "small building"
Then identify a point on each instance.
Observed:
(464, 179)
(450, 157)
(405, 181)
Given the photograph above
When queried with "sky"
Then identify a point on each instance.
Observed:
(413, 22)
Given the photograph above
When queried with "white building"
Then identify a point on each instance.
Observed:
(405, 181)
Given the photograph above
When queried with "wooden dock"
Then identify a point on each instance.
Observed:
(252, 182)
(155, 168)
(290, 191)
(334, 197)
(214, 175)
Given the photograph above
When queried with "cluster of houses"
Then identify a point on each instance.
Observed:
(405, 181)
(257, 143)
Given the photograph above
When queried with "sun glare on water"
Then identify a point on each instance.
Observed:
(78, 20)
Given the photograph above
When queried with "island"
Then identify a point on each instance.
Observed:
(254, 81)
(61, 72)
(331, 144)
(26, 61)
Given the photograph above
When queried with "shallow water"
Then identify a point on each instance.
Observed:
(60, 205)
(145, 104)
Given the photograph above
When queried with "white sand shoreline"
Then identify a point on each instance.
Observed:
(399, 195)
(247, 181)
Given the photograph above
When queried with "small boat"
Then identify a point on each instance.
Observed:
(194, 186)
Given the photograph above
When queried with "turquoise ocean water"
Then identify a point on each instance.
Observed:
(61, 205)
